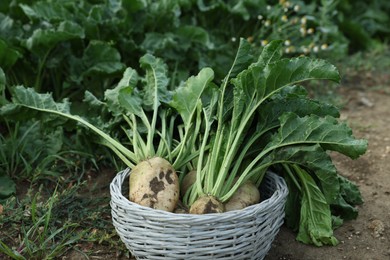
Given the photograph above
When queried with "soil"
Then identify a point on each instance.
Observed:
(367, 111)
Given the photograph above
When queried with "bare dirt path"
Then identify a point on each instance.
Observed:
(367, 111)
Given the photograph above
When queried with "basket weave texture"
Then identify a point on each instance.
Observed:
(241, 234)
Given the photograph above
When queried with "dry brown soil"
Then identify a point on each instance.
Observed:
(367, 111)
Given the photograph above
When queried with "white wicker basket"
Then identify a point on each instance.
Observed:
(242, 234)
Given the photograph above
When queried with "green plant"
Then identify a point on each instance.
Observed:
(7, 187)
(307, 27)
(142, 108)
(365, 24)
(31, 151)
(263, 119)
(19, 156)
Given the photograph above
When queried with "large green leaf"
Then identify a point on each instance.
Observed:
(271, 53)
(296, 70)
(311, 157)
(242, 59)
(186, 98)
(134, 5)
(8, 55)
(269, 113)
(236, 104)
(293, 202)
(49, 141)
(350, 191)
(101, 58)
(155, 90)
(342, 209)
(7, 187)
(130, 78)
(348, 198)
(326, 131)
(161, 43)
(194, 34)
(130, 101)
(47, 10)
(28, 96)
(97, 113)
(43, 40)
(296, 132)
(121, 97)
(26, 100)
(282, 73)
(316, 220)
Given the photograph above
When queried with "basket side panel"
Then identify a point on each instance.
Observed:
(244, 234)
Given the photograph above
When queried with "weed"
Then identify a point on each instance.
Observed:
(46, 226)
(42, 236)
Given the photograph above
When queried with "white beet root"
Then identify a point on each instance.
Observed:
(155, 184)
(246, 195)
(187, 182)
(206, 205)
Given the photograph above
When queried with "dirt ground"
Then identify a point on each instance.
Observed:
(367, 111)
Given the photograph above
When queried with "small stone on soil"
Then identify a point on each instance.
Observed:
(377, 227)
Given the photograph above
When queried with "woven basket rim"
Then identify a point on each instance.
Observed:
(117, 196)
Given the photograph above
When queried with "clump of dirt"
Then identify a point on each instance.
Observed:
(367, 112)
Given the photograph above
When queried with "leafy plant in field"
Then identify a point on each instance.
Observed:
(30, 152)
(264, 119)
(259, 117)
(72, 47)
(141, 108)
(67, 47)
(19, 155)
(307, 27)
(26, 149)
(364, 23)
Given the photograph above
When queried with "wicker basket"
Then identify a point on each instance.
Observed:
(242, 234)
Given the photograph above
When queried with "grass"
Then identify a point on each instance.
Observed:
(40, 237)
(53, 209)
(28, 152)
(47, 226)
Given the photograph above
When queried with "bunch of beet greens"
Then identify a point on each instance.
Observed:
(218, 140)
